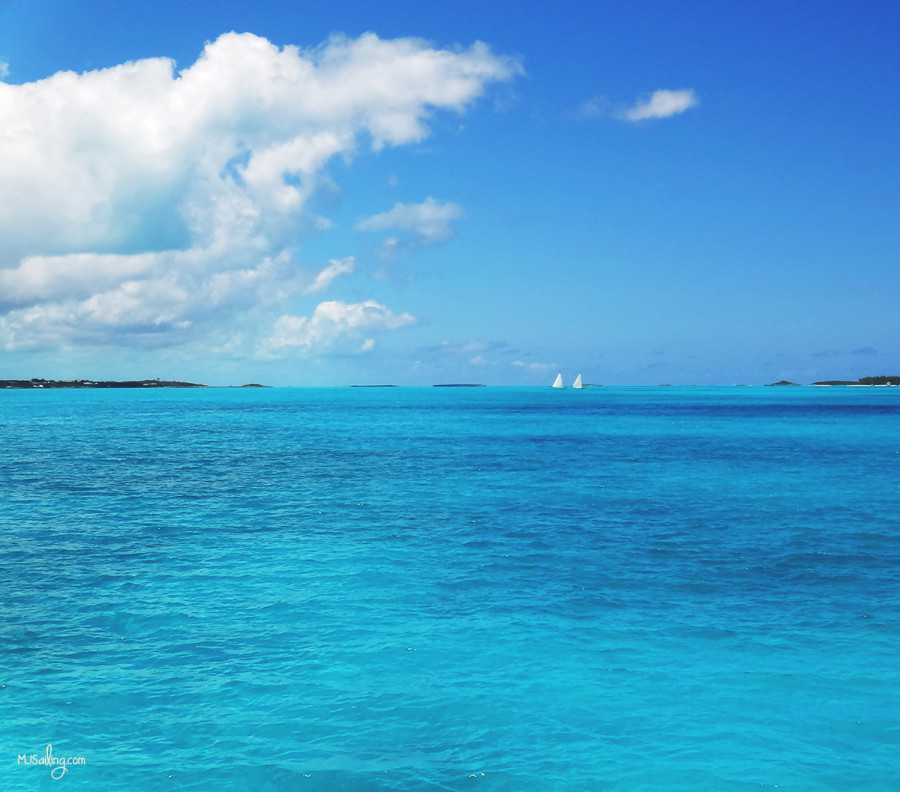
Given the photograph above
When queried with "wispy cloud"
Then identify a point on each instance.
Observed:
(335, 268)
(475, 348)
(535, 367)
(827, 353)
(143, 206)
(595, 107)
(4, 70)
(660, 104)
(430, 220)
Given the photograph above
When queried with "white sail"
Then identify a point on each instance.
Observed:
(578, 383)
(558, 383)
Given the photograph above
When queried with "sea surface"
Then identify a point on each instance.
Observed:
(486, 589)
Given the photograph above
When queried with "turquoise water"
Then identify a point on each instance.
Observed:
(451, 589)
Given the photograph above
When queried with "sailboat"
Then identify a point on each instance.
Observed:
(558, 383)
(577, 383)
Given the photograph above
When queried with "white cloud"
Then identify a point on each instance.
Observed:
(151, 299)
(661, 104)
(4, 70)
(430, 220)
(331, 321)
(335, 268)
(141, 202)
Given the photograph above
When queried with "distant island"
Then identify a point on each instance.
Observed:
(895, 380)
(884, 380)
(44, 383)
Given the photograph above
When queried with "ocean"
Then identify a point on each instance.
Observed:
(487, 589)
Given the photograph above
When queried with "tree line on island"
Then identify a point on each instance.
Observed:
(45, 383)
(883, 380)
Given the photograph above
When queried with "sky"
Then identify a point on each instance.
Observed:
(334, 193)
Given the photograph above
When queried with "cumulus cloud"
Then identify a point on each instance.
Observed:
(331, 321)
(153, 299)
(430, 220)
(141, 202)
(660, 104)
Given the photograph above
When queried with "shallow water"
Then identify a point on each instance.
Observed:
(451, 589)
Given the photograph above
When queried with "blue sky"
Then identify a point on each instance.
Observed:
(360, 192)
